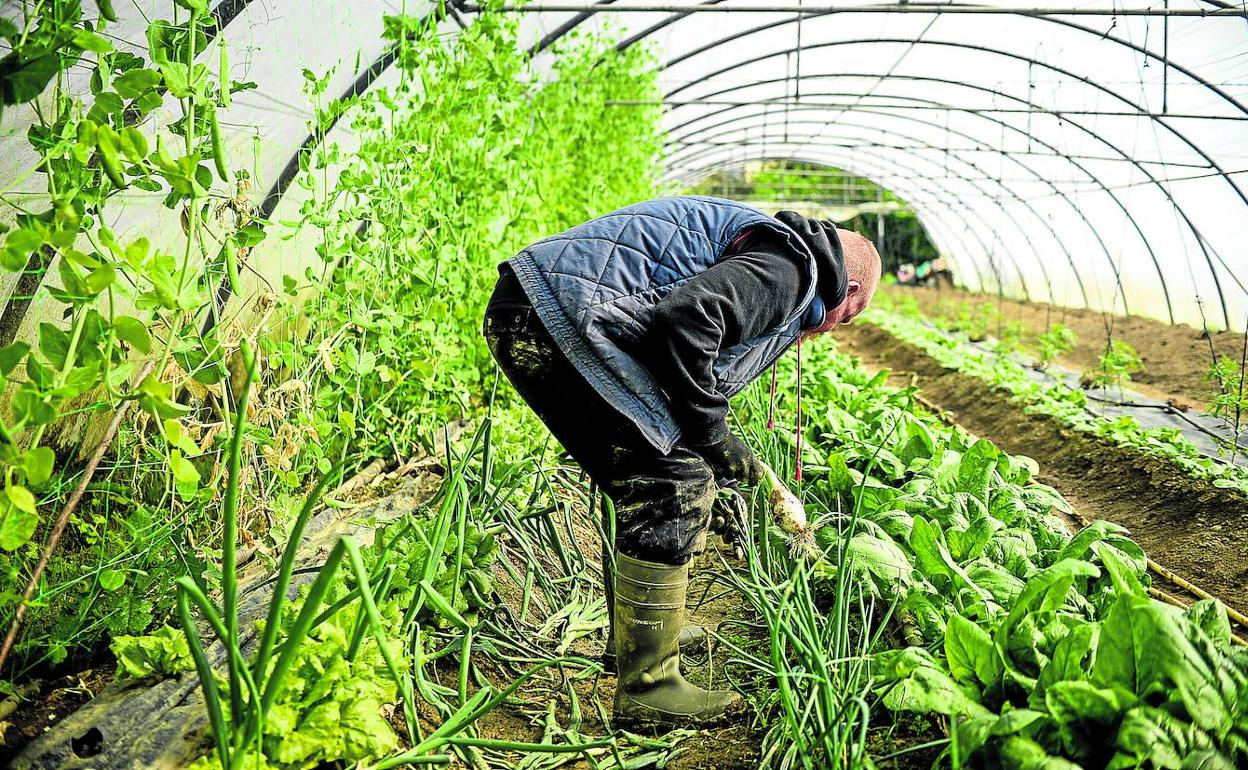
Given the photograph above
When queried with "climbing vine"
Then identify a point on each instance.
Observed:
(472, 154)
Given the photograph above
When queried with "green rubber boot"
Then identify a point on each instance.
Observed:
(649, 615)
(692, 640)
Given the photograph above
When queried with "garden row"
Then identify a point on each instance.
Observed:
(949, 343)
(1041, 647)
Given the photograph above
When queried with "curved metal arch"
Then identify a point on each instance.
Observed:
(697, 155)
(1165, 60)
(1078, 212)
(552, 37)
(935, 203)
(1039, 177)
(1201, 242)
(985, 49)
(988, 194)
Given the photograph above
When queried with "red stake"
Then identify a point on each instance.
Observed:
(797, 464)
(771, 407)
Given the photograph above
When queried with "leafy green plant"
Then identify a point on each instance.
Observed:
(1065, 404)
(1059, 340)
(1232, 401)
(1115, 367)
(974, 319)
(121, 300)
(1009, 337)
(1042, 648)
(161, 653)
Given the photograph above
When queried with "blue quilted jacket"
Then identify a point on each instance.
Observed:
(593, 287)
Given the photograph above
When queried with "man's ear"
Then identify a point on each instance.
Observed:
(854, 287)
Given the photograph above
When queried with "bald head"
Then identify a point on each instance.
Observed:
(862, 273)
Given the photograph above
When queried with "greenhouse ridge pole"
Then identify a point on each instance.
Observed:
(927, 107)
(812, 10)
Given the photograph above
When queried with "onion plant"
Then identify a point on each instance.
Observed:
(821, 626)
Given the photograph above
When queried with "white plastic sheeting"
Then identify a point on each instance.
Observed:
(1085, 160)
(271, 43)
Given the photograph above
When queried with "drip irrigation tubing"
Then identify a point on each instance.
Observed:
(1182, 415)
(1219, 441)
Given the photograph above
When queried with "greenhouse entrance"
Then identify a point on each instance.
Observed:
(620, 384)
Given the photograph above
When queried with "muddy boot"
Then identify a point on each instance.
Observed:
(693, 639)
(649, 613)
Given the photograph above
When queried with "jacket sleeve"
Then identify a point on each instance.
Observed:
(738, 298)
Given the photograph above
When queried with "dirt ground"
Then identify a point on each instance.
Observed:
(46, 704)
(1175, 357)
(1187, 525)
(733, 746)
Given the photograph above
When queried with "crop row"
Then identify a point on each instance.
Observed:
(1042, 648)
(1054, 399)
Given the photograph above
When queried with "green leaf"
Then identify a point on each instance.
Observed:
(1151, 735)
(976, 469)
(18, 247)
(1127, 578)
(1071, 659)
(157, 398)
(112, 579)
(1019, 753)
(971, 652)
(197, 7)
(930, 690)
(37, 465)
(89, 41)
(16, 525)
(133, 83)
(1210, 616)
(12, 355)
(20, 498)
(29, 407)
(1085, 714)
(164, 652)
(133, 331)
(22, 79)
(185, 475)
(53, 344)
(1144, 649)
(178, 438)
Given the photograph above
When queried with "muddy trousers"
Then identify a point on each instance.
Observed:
(662, 502)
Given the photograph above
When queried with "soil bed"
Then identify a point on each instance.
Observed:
(1186, 524)
(1175, 356)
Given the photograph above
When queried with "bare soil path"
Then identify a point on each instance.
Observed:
(1189, 526)
(1175, 357)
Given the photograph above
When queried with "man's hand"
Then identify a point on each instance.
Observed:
(730, 518)
(731, 460)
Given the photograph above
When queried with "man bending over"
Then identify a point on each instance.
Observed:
(627, 335)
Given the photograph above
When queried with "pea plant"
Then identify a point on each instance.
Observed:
(122, 298)
(509, 159)
(1231, 403)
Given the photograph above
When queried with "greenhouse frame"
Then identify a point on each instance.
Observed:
(360, 359)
